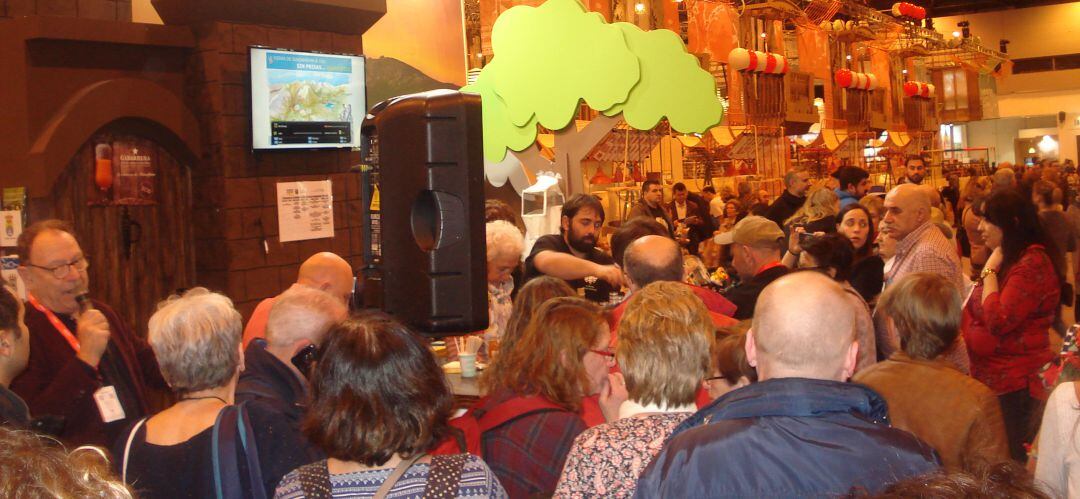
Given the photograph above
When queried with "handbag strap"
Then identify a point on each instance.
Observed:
(231, 428)
(223, 455)
(396, 475)
(251, 452)
(127, 448)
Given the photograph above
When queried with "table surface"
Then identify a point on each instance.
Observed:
(465, 387)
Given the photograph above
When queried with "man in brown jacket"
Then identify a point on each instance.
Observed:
(927, 396)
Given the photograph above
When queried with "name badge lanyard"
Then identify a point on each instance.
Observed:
(56, 322)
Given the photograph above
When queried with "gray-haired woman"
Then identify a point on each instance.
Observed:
(204, 446)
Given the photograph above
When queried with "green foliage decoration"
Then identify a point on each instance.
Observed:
(550, 58)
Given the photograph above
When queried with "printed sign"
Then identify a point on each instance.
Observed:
(305, 210)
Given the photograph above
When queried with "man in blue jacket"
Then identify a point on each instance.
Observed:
(800, 432)
(854, 184)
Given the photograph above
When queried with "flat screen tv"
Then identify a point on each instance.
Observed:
(305, 100)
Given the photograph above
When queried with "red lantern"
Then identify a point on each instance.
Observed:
(781, 65)
(770, 63)
(911, 89)
(844, 78)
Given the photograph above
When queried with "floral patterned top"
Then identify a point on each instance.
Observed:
(607, 460)
(499, 308)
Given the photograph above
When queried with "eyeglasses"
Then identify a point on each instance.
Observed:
(61, 271)
(608, 355)
(714, 378)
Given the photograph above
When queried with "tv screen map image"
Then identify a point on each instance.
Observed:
(310, 100)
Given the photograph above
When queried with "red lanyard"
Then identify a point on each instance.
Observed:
(60, 327)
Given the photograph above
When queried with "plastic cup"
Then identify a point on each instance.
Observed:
(468, 365)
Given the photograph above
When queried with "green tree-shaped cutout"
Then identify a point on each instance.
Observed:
(550, 58)
(672, 85)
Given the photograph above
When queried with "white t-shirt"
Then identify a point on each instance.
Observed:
(1058, 467)
(716, 207)
(680, 211)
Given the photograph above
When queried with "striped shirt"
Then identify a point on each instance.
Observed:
(925, 249)
(476, 481)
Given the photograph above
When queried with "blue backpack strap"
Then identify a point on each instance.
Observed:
(223, 454)
(251, 453)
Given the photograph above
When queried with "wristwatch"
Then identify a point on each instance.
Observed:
(985, 272)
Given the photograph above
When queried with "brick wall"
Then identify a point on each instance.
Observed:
(234, 189)
(108, 10)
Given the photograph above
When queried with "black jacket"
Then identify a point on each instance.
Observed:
(13, 410)
(268, 380)
(745, 294)
(787, 437)
(272, 384)
(784, 207)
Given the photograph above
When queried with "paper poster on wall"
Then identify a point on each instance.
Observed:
(10, 227)
(9, 273)
(136, 172)
(305, 210)
(14, 199)
(125, 171)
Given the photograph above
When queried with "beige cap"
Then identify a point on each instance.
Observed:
(752, 231)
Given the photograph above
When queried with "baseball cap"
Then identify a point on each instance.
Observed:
(752, 231)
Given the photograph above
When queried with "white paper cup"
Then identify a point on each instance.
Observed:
(468, 365)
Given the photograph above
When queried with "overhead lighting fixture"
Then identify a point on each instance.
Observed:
(849, 57)
(956, 34)
(639, 7)
(763, 35)
(904, 71)
(1047, 144)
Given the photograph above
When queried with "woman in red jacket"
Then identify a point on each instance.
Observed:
(1009, 312)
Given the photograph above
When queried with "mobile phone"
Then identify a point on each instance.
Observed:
(305, 359)
(806, 237)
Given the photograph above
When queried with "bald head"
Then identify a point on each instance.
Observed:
(815, 339)
(651, 259)
(907, 207)
(327, 272)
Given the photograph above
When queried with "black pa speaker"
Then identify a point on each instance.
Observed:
(425, 237)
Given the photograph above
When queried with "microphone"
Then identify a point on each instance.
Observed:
(83, 300)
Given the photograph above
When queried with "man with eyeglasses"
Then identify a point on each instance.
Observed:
(85, 364)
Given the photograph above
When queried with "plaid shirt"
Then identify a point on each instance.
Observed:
(925, 249)
(527, 454)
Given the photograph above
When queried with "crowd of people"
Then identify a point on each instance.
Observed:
(851, 354)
